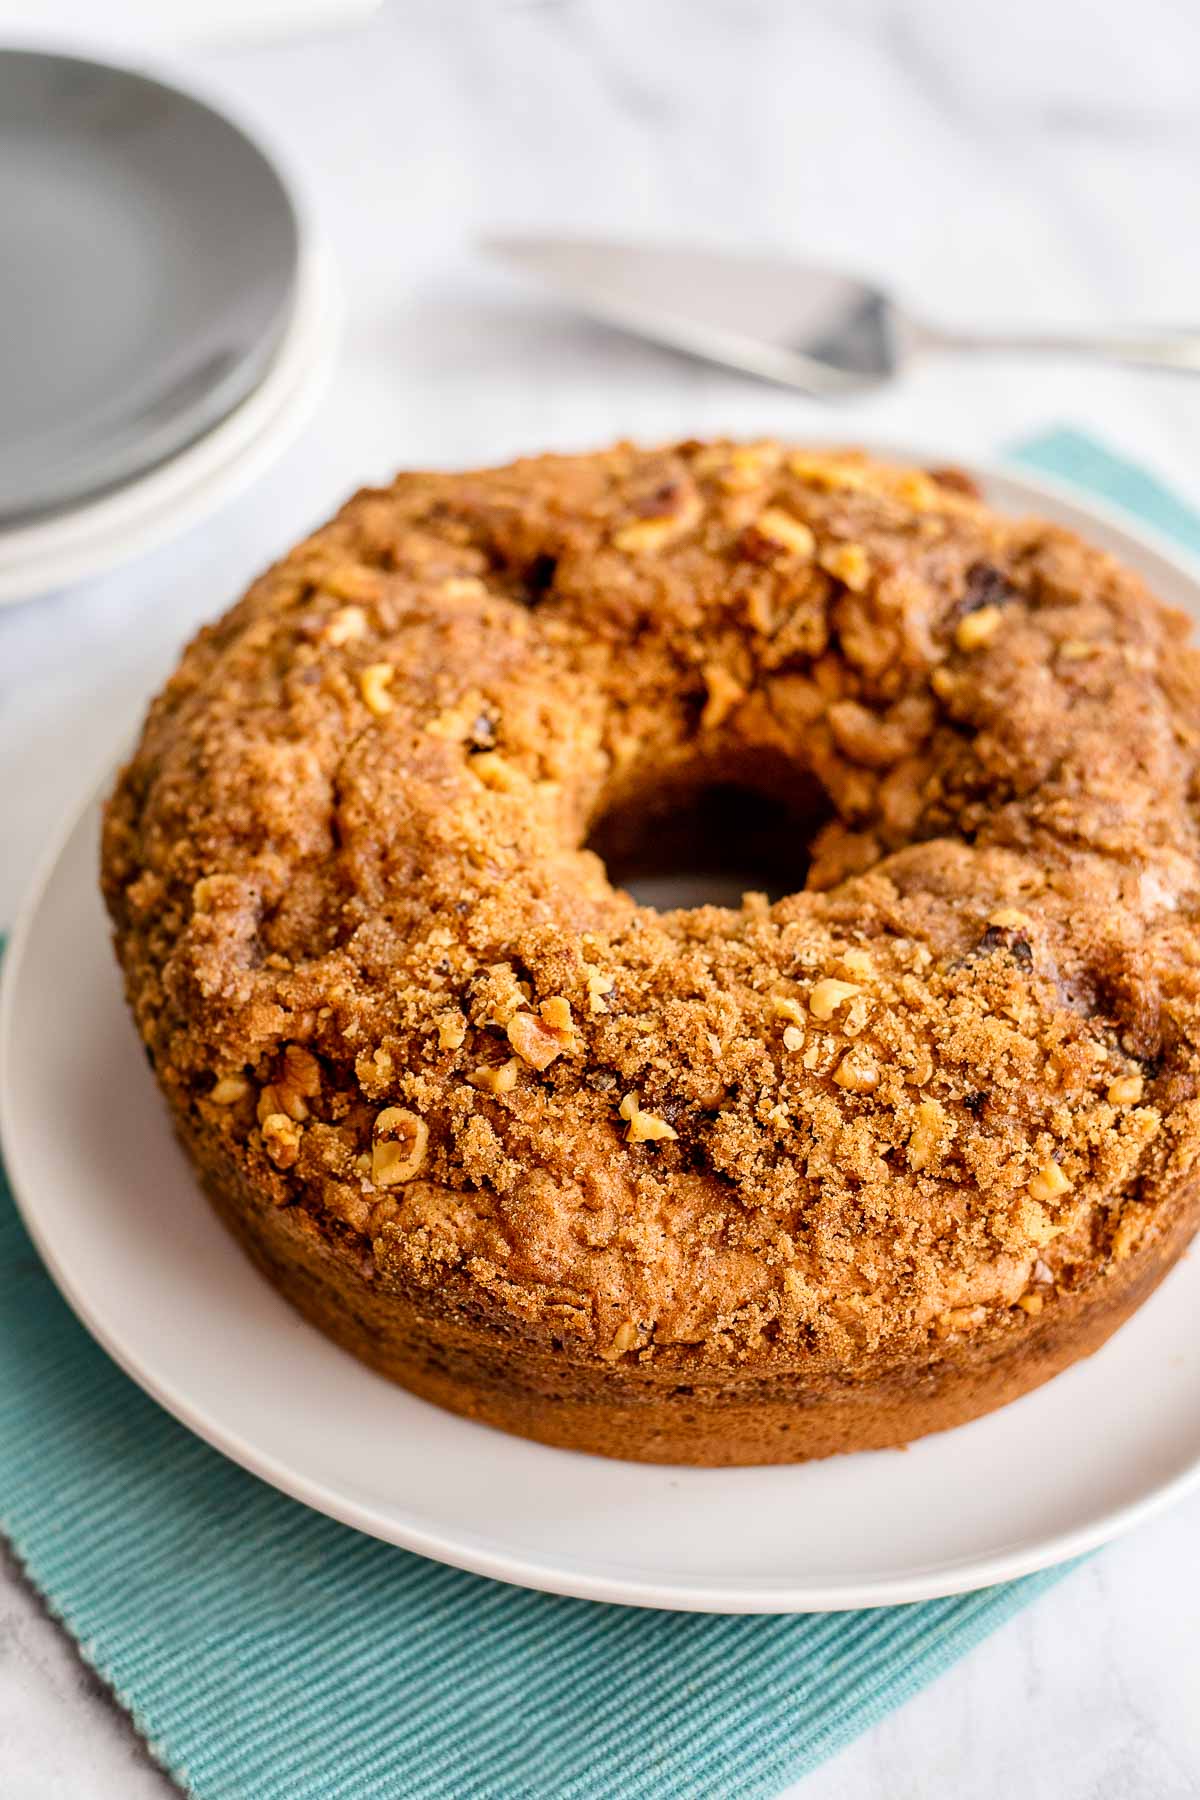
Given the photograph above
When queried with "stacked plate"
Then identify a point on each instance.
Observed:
(165, 320)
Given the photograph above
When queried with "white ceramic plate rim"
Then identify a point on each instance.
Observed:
(472, 1551)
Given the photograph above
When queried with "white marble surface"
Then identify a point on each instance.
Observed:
(1031, 162)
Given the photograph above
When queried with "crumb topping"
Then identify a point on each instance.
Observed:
(953, 1075)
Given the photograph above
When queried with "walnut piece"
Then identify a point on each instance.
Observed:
(825, 471)
(598, 985)
(345, 625)
(229, 1090)
(299, 1082)
(746, 466)
(644, 1127)
(399, 1147)
(1010, 918)
(496, 1080)
(857, 1071)
(724, 693)
(978, 628)
(539, 1037)
(1125, 1091)
(281, 1136)
(926, 1134)
(646, 536)
(849, 564)
(790, 533)
(960, 1318)
(374, 682)
(829, 994)
(1049, 1183)
(496, 772)
(624, 1339)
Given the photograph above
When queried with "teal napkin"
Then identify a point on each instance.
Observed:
(267, 1653)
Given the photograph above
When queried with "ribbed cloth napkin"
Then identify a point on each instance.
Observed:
(267, 1653)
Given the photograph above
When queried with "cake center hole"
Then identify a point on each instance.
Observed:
(708, 845)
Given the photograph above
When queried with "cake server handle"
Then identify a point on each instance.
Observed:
(1175, 350)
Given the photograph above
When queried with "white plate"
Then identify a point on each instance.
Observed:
(86, 540)
(135, 1249)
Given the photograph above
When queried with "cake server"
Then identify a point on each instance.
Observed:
(809, 328)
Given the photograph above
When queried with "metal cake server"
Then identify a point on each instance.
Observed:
(813, 329)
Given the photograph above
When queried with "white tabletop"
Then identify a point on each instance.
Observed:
(1000, 168)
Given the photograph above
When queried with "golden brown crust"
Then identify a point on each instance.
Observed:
(920, 1132)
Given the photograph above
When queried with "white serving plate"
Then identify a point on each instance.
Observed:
(134, 1248)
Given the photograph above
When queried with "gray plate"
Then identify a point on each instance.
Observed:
(147, 271)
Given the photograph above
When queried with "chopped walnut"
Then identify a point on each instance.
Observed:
(229, 1090)
(645, 536)
(744, 467)
(1031, 1304)
(463, 587)
(1078, 650)
(496, 772)
(793, 1038)
(927, 1134)
(859, 734)
(344, 626)
(826, 471)
(644, 1127)
(299, 1082)
(829, 994)
(1125, 1091)
(281, 1137)
(598, 985)
(496, 1080)
(960, 1318)
(857, 1071)
(790, 533)
(374, 682)
(784, 1007)
(624, 1339)
(498, 994)
(849, 564)
(268, 1103)
(915, 489)
(1049, 1183)
(1009, 918)
(452, 1031)
(724, 693)
(469, 721)
(978, 628)
(859, 964)
(398, 1151)
(351, 581)
(539, 1037)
